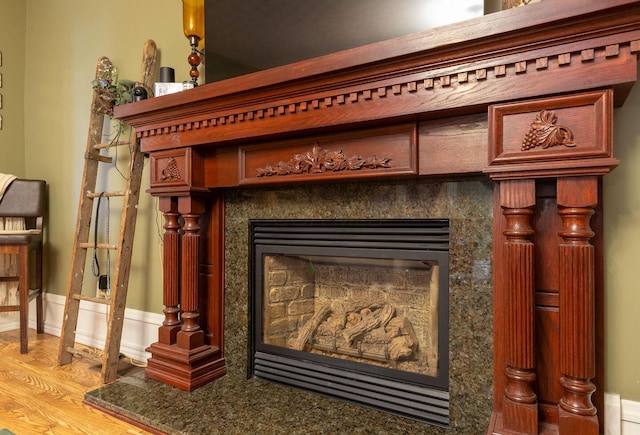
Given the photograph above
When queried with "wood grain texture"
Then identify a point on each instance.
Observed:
(38, 396)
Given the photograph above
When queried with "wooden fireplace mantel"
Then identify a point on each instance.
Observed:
(524, 96)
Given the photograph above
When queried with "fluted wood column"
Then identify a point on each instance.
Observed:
(577, 198)
(520, 407)
(171, 271)
(190, 336)
(180, 357)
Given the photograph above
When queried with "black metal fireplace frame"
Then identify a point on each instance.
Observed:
(417, 396)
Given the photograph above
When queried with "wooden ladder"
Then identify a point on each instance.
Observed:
(124, 245)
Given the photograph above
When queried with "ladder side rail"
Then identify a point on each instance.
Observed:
(127, 231)
(122, 267)
(83, 224)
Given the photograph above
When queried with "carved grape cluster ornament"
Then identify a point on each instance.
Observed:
(170, 171)
(320, 160)
(545, 133)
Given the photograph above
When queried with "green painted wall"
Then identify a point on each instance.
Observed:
(622, 254)
(12, 46)
(64, 39)
(55, 43)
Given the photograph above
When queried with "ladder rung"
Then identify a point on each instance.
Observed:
(98, 246)
(101, 146)
(92, 299)
(98, 157)
(97, 194)
(76, 352)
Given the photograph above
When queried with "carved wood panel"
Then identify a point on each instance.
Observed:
(358, 154)
(546, 132)
(176, 170)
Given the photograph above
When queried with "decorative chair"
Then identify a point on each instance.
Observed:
(24, 199)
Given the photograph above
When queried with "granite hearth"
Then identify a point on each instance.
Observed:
(235, 404)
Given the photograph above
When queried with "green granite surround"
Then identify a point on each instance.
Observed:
(234, 404)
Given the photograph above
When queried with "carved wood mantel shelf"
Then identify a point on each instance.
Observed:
(524, 96)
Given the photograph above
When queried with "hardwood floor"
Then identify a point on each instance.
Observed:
(39, 397)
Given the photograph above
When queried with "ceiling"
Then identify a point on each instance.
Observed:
(252, 35)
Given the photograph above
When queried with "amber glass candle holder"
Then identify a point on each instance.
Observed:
(193, 26)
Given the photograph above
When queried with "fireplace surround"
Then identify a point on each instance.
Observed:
(466, 203)
(524, 96)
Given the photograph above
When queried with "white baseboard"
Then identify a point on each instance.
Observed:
(622, 417)
(139, 330)
(9, 321)
(630, 417)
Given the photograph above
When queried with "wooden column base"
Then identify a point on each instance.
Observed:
(572, 423)
(167, 334)
(182, 368)
(521, 417)
(496, 427)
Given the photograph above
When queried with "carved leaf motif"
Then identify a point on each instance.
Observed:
(545, 133)
(374, 162)
(265, 172)
(300, 164)
(283, 169)
(319, 160)
(355, 162)
(336, 161)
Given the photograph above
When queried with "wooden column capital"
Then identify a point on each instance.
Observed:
(191, 205)
(517, 194)
(578, 191)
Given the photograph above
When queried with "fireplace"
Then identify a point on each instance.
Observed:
(354, 309)
(524, 97)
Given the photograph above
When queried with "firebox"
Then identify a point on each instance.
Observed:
(354, 309)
